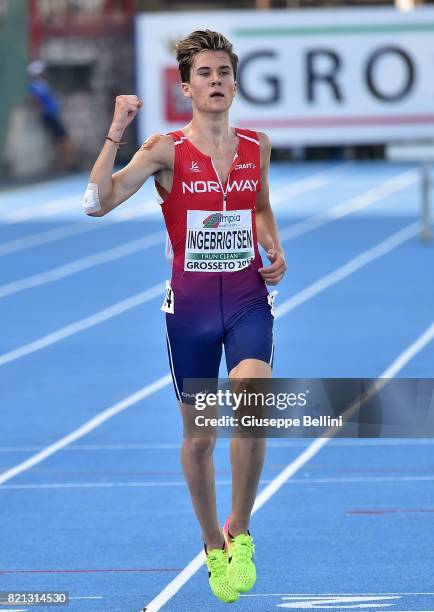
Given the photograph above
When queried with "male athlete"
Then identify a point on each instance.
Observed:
(212, 183)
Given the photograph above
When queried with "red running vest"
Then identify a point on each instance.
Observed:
(197, 187)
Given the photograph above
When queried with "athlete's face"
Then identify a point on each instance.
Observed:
(212, 85)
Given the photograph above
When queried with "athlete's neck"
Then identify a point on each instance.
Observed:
(211, 129)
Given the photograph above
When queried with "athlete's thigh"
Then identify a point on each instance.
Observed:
(194, 348)
(249, 337)
(251, 368)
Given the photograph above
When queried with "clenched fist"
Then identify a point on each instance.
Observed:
(126, 108)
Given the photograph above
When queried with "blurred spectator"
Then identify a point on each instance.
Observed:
(49, 106)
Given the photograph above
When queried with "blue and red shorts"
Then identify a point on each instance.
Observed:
(208, 312)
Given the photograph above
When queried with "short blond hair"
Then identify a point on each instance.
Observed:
(202, 40)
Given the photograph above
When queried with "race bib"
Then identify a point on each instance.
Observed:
(270, 298)
(218, 241)
(169, 299)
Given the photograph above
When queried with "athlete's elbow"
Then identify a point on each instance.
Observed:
(96, 213)
(93, 204)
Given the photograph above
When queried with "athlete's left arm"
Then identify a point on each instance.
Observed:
(266, 227)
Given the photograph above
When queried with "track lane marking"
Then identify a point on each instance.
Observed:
(173, 587)
(137, 396)
(358, 262)
(82, 264)
(83, 324)
(302, 296)
(315, 221)
(190, 570)
(90, 425)
(352, 205)
(221, 444)
(224, 483)
(136, 207)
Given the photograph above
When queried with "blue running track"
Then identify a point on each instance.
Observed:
(92, 497)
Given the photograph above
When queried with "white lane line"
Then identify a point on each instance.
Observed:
(86, 225)
(72, 204)
(100, 485)
(173, 587)
(327, 594)
(47, 209)
(409, 353)
(137, 208)
(313, 222)
(350, 206)
(32, 240)
(188, 572)
(134, 301)
(65, 231)
(349, 268)
(86, 597)
(355, 479)
(280, 197)
(381, 191)
(71, 207)
(302, 296)
(223, 444)
(93, 423)
(130, 212)
(79, 265)
(286, 306)
(220, 483)
(361, 601)
(195, 564)
(82, 324)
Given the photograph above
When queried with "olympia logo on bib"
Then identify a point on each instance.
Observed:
(218, 241)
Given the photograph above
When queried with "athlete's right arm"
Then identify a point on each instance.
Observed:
(106, 190)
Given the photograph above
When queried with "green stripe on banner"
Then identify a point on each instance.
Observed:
(213, 256)
(335, 30)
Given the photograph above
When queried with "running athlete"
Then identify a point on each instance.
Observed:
(212, 183)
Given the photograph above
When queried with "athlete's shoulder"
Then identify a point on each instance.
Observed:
(260, 138)
(264, 140)
(265, 147)
(159, 148)
(160, 141)
(248, 135)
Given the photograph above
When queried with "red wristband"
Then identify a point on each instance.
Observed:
(117, 142)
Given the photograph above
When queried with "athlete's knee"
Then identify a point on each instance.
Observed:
(249, 385)
(199, 447)
(250, 368)
(240, 384)
(247, 446)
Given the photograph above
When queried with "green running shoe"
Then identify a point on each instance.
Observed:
(241, 568)
(217, 563)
